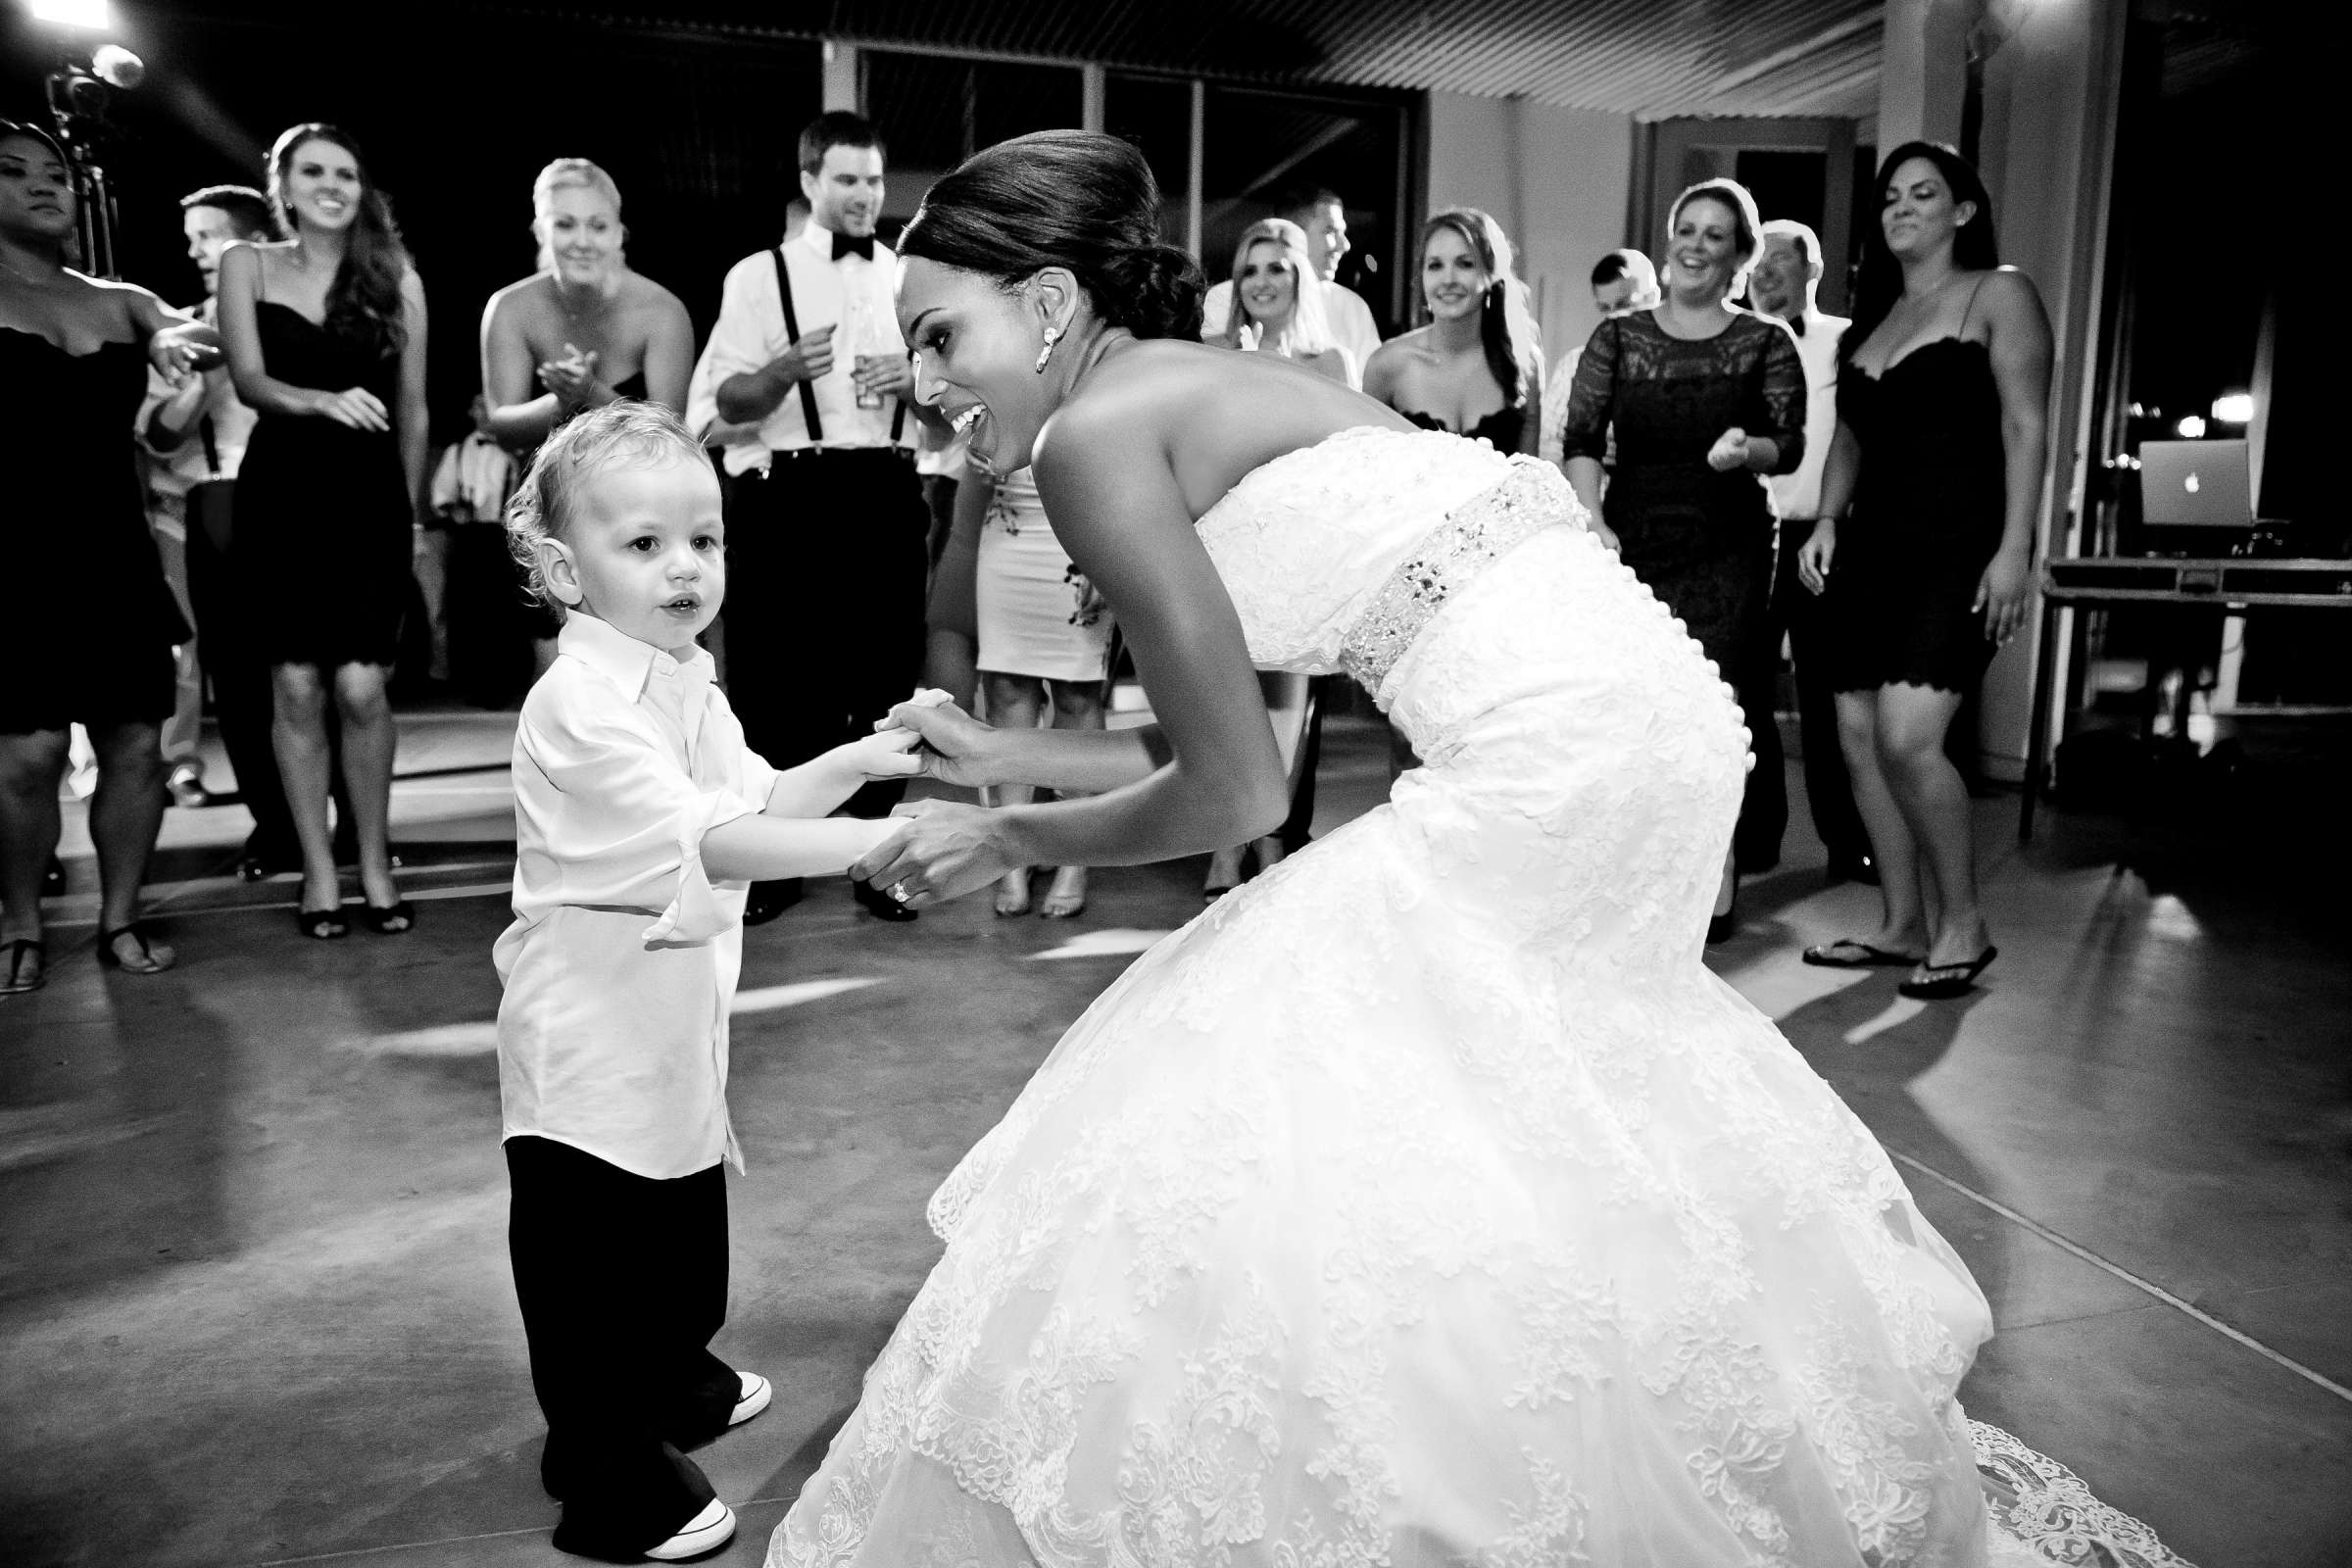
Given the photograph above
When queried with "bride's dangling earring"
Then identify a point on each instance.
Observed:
(1052, 336)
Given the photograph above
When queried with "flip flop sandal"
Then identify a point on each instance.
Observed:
(144, 962)
(1840, 955)
(28, 966)
(1938, 982)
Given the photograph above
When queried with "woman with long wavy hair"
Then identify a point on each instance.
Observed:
(1477, 367)
(1925, 549)
(325, 335)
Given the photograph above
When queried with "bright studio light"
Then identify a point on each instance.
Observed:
(2191, 426)
(2234, 408)
(75, 13)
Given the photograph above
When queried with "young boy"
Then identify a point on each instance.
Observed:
(640, 818)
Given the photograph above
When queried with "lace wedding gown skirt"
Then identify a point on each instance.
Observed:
(1427, 1201)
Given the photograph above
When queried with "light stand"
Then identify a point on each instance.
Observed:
(79, 98)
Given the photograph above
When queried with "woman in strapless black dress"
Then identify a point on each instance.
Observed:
(583, 331)
(1924, 550)
(325, 335)
(1703, 397)
(87, 624)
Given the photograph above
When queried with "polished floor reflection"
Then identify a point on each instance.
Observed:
(254, 1303)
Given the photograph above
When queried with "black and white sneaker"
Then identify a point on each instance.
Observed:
(707, 1531)
(756, 1392)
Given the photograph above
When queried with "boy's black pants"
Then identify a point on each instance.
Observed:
(623, 1281)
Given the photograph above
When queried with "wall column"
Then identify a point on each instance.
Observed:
(2053, 88)
(1923, 70)
(840, 78)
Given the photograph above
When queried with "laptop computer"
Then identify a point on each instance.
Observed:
(2195, 484)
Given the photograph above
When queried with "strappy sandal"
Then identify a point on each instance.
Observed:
(1014, 898)
(1063, 903)
(1941, 981)
(28, 966)
(388, 919)
(146, 961)
(1848, 952)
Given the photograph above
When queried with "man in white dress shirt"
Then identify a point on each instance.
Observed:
(1324, 217)
(1785, 278)
(804, 386)
(1623, 283)
(194, 436)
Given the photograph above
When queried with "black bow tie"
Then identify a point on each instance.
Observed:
(1796, 324)
(844, 245)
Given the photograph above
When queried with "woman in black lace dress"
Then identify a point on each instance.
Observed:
(1941, 435)
(1704, 397)
(1476, 369)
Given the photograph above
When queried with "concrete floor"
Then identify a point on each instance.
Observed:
(254, 1301)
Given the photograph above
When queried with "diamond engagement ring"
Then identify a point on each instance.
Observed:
(898, 891)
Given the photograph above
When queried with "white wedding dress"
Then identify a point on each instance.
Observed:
(1427, 1201)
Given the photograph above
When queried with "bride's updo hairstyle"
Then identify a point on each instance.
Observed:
(1074, 199)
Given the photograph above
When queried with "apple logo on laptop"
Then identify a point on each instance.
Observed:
(2191, 483)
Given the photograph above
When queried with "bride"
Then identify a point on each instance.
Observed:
(1427, 1201)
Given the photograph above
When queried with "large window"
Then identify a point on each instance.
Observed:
(1266, 153)
(1155, 113)
(938, 110)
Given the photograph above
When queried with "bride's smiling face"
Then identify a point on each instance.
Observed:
(975, 344)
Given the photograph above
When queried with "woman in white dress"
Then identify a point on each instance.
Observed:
(1426, 1202)
(1044, 647)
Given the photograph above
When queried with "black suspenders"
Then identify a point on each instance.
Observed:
(792, 328)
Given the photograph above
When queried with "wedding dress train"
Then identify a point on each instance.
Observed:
(1426, 1201)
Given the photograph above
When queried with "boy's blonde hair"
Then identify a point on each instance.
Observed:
(624, 432)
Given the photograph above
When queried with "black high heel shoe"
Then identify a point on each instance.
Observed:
(321, 925)
(1725, 926)
(388, 919)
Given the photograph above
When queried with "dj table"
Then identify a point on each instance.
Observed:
(2224, 585)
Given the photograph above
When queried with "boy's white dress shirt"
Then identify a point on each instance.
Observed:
(623, 955)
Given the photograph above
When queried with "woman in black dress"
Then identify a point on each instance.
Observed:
(1705, 396)
(88, 624)
(1941, 435)
(1477, 367)
(325, 335)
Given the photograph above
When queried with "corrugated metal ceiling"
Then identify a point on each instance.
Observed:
(1652, 58)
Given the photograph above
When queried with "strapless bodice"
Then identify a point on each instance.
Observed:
(1307, 543)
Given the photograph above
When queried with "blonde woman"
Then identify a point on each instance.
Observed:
(584, 329)
(1276, 316)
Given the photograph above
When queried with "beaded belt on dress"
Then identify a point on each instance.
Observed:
(1474, 535)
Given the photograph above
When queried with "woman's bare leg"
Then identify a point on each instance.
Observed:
(1077, 705)
(298, 734)
(1912, 721)
(1902, 923)
(126, 813)
(369, 739)
(1014, 701)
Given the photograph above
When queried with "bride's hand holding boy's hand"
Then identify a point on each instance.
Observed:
(885, 754)
(948, 850)
(956, 746)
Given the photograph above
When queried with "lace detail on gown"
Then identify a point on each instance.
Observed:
(1426, 1200)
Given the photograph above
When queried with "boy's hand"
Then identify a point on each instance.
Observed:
(885, 754)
